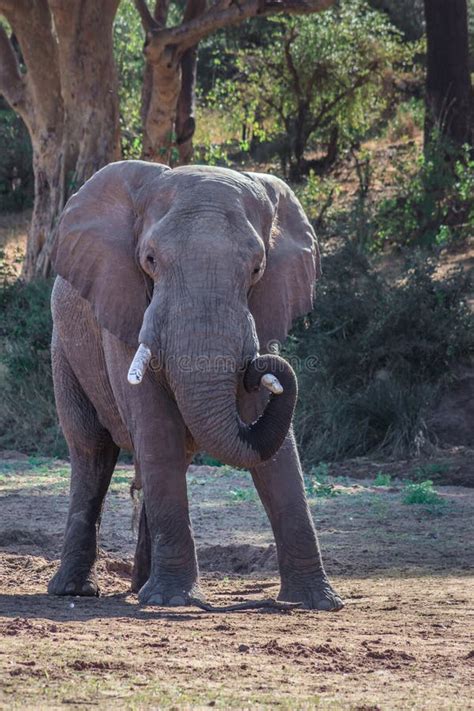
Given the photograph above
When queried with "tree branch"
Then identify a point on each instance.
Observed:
(148, 21)
(12, 84)
(343, 94)
(223, 14)
(289, 39)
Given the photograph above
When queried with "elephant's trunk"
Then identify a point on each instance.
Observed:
(207, 401)
(205, 382)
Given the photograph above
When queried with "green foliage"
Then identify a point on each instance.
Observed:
(321, 490)
(16, 173)
(28, 420)
(407, 120)
(327, 78)
(128, 52)
(433, 204)
(373, 354)
(422, 493)
(382, 479)
(407, 15)
(317, 195)
(316, 483)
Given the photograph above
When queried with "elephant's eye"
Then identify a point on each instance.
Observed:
(151, 260)
(256, 270)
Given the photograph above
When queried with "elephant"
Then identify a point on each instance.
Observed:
(172, 287)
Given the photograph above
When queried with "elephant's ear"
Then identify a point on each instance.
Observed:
(286, 289)
(96, 245)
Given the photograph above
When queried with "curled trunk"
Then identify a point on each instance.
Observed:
(207, 402)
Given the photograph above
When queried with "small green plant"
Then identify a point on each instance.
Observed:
(382, 479)
(316, 483)
(318, 489)
(242, 495)
(422, 493)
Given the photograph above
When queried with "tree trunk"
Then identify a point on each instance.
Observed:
(68, 99)
(449, 95)
(168, 95)
(50, 198)
(89, 86)
(162, 96)
(185, 121)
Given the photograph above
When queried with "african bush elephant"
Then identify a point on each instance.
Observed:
(202, 267)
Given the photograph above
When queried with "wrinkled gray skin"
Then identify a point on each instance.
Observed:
(201, 263)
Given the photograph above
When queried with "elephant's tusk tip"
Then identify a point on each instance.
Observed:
(272, 383)
(139, 365)
(135, 377)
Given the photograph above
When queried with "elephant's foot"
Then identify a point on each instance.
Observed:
(315, 594)
(72, 579)
(169, 594)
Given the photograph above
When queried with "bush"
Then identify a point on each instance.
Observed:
(128, 54)
(28, 420)
(383, 351)
(422, 493)
(16, 172)
(433, 204)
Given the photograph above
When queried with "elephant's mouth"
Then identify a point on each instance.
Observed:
(226, 436)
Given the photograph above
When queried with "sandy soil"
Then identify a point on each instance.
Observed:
(403, 641)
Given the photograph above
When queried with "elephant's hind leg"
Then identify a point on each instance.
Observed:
(93, 458)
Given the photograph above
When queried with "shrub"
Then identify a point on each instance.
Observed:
(28, 420)
(382, 352)
(317, 195)
(16, 172)
(421, 493)
(382, 479)
(433, 204)
(128, 54)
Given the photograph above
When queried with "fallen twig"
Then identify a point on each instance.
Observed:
(268, 604)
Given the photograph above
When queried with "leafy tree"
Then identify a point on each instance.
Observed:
(328, 80)
(130, 62)
(171, 57)
(57, 72)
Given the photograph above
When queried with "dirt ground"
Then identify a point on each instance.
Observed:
(403, 641)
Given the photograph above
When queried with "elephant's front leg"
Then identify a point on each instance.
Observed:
(93, 457)
(161, 452)
(280, 486)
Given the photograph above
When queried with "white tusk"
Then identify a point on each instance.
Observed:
(271, 383)
(139, 365)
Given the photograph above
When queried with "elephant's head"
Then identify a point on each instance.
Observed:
(200, 267)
